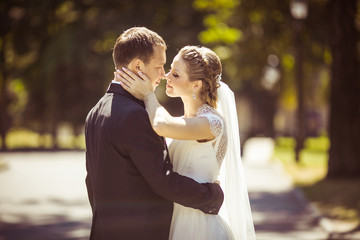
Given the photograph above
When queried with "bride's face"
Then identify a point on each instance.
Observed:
(178, 84)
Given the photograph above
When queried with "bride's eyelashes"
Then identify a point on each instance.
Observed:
(175, 75)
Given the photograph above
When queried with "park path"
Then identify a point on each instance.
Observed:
(280, 211)
(43, 196)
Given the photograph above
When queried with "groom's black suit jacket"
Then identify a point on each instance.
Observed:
(130, 182)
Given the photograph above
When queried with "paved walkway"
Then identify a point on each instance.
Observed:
(43, 196)
(280, 211)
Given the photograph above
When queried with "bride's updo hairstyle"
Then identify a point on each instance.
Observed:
(203, 64)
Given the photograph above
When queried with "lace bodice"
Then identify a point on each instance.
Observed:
(201, 160)
(218, 129)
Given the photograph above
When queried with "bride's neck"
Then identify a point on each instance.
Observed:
(191, 106)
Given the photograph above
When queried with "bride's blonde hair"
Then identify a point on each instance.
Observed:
(203, 64)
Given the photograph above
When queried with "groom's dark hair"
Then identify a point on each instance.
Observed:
(136, 42)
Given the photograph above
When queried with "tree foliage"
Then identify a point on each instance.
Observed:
(60, 53)
(260, 58)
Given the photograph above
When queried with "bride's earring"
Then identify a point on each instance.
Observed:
(194, 96)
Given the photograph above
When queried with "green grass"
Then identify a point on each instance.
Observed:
(312, 166)
(27, 139)
(338, 200)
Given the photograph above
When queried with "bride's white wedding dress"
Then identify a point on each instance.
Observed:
(200, 161)
(207, 162)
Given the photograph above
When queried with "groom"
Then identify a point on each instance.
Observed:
(130, 181)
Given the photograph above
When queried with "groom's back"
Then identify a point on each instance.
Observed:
(124, 206)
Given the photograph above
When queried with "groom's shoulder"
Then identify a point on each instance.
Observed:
(126, 105)
(129, 110)
(135, 114)
(133, 119)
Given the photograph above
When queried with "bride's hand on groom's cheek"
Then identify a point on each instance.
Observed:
(139, 86)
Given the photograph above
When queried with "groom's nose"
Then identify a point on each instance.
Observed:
(162, 73)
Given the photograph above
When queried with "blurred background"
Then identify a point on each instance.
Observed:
(293, 65)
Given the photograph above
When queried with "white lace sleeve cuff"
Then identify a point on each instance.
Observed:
(216, 123)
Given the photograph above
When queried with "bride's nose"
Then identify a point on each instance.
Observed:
(167, 77)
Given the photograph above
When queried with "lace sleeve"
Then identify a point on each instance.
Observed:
(216, 122)
(217, 127)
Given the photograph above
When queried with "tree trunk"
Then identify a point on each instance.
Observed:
(4, 116)
(263, 104)
(344, 153)
(299, 78)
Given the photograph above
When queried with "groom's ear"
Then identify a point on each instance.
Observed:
(136, 65)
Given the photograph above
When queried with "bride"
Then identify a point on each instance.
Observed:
(205, 144)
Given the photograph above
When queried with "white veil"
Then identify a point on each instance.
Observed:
(236, 208)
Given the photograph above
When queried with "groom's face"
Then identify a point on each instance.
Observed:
(155, 68)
